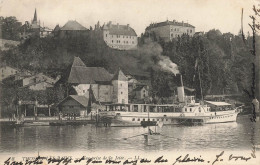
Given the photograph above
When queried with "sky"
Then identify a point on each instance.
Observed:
(224, 15)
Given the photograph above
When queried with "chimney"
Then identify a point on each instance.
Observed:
(180, 88)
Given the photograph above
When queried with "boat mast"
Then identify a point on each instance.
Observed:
(148, 122)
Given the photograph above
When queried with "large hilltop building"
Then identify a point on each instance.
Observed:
(71, 29)
(121, 37)
(106, 87)
(168, 30)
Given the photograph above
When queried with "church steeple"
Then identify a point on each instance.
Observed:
(35, 17)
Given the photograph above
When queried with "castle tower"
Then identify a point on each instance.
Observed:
(120, 88)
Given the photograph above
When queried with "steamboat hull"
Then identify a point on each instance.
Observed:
(124, 119)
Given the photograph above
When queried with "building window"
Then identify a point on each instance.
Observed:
(106, 35)
(121, 92)
(121, 85)
(133, 119)
(175, 29)
(83, 91)
(143, 119)
(138, 119)
(133, 42)
(171, 35)
(112, 41)
(191, 31)
(126, 36)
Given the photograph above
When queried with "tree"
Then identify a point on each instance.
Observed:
(10, 28)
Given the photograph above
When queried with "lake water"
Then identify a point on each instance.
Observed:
(238, 135)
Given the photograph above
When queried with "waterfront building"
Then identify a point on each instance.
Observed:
(121, 37)
(169, 30)
(107, 88)
(75, 104)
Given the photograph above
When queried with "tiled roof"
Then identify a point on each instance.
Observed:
(139, 88)
(120, 30)
(73, 25)
(57, 28)
(169, 23)
(119, 75)
(78, 62)
(80, 74)
(88, 75)
(80, 99)
(34, 83)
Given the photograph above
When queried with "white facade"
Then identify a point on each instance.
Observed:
(120, 91)
(122, 42)
(121, 37)
(7, 71)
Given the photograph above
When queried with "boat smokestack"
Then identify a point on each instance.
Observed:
(180, 88)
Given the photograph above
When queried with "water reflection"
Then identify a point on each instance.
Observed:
(228, 136)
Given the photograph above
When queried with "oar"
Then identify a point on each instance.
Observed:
(132, 136)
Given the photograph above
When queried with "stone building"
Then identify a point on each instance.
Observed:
(121, 37)
(141, 92)
(70, 30)
(107, 88)
(168, 30)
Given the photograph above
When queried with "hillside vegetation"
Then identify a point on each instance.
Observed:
(223, 60)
